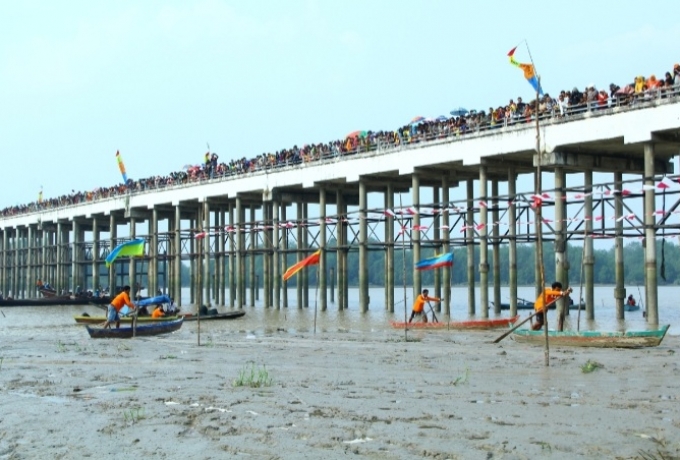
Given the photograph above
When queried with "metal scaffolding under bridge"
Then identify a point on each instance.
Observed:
(234, 236)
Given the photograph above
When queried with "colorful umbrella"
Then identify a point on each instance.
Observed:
(358, 134)
(441, 118)
(459, 112)
(417, 120)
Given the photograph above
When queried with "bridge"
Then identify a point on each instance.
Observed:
(219, 226)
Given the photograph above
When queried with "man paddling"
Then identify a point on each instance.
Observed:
(118, 302)
(547, 297)
(419, 305)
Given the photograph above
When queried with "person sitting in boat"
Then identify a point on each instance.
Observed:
(158, 312)
(547, 298)
(143, 311)
(631, 300)
(419, 305)
(118, 302)
(172, 309)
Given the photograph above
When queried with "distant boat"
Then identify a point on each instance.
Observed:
(523, 304)
(216, 316)
(488, 323)
(595, 339)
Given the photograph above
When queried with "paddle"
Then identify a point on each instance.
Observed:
(564, 293)
(434, 317)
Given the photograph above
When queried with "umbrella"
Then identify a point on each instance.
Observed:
(417, 120)
(441, 118)
(459, 112)
(358, 134)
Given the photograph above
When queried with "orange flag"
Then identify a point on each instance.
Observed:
(311, 260)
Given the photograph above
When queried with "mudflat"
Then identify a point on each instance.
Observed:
(328, 395)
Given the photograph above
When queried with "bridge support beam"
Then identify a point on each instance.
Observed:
(483, 244)
(589, 256)
(470, 246)
(496, 247)
(323, 295)
(650, 238)
(620, 288)
(363, 247)
(276, 258)
(446, 248)
(512, 243)
(436, 235)
(561, 262)
(389, 253)
(415, 234)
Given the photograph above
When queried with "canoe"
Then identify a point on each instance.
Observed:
(125, 319)
(597, 339)
(627, 307)
(526, 305)
(228, 315)
(142, 330)
(490, 323)
(43, 302)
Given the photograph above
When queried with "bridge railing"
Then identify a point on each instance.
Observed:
(412, 137)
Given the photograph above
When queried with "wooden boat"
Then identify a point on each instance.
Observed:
(80, 319)
(490, 323)
(46, 291)
(629, 307)
(143, 330)
(597, 339)
(44, 302)
(228, 315)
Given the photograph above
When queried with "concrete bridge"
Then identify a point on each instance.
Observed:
(246, 215)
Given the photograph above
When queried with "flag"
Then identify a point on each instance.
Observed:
(129, 248)
(439, 260)
(121, 166)
(40, 195)
(529, 71)
(311, 260)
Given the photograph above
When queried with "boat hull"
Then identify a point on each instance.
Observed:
(125, 319)
(473, 324)
(144, 330)
(220, 316)
(595, 339)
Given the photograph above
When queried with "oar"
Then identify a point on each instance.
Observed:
(545, 309)
(434, 317)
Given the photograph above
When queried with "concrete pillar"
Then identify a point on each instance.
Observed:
(470, 245)
(240, 263)
(220, 258)
(340, 253)
(15, 262)
(620, 288)
(323, 294)
(3, 264)
(299, 255)
(233, 289)
(95, 253)
(496, 245)
(153, 253)
(483, 244)
(134, 282)
(266, 256)
(415, 234)
(363, 247)
(436, 235)
(284, 257)
(589, 254)
(389, 257)
(30, 263)
(305, 244)
(512, 236)
(561, 262)
(276, 259)
(177, 257)
(204, 260)
(59, 284)
(446, 248)
(537, 262)
(113, 242)
(651, 289)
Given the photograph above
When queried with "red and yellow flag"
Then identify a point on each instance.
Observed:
(311, 260)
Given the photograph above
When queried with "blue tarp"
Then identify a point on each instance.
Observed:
(153, 300)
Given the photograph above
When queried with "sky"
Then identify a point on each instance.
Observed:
(159, 80)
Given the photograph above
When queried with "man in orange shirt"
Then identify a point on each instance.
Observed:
(158, 312)
(547, 298)
(117, 303)
(419, 305)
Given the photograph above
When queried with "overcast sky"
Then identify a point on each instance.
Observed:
(158, 80)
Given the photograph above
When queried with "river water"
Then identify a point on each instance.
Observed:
(259, 321)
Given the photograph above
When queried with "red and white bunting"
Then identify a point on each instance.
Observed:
(200, 235)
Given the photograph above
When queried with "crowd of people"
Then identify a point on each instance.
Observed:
(567, 104)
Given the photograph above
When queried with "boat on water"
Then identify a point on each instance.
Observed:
(82, 319)
(596, 339)
(472, 324)
(143, 330)
(523, 304)
(215, 316)
(54, 301)
(629, 307)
